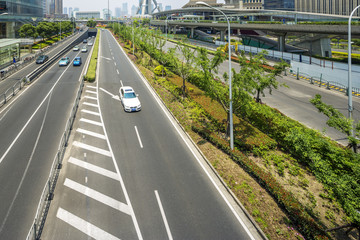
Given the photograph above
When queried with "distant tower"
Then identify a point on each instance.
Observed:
(145, 7)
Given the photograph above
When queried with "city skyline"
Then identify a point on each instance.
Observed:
(92, 5)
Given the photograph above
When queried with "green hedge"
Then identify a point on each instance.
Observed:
(91, 73)
(306, 223)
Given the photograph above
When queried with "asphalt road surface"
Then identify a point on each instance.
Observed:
(136, 175)
(31, 127)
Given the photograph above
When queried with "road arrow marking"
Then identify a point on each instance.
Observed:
(106, 58)
(116, 97)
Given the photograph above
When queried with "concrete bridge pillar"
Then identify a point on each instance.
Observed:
(192, 32)
(281, 42)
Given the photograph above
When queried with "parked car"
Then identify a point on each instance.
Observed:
(42, 59)
(77, 61)
(129, 99)
(76, 48)
(64, 61)
(84, 49)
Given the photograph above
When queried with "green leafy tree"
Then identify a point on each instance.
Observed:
(259, 77)
(185, 65)
(28, 30)
(338, 121)
(45, 29)
(91, 23)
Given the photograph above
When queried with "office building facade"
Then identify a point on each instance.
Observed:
(336, 7)
(285, 5)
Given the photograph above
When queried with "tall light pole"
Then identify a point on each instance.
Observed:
(166, 28)
(349, 68)
(230, 78)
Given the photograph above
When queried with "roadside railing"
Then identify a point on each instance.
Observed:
(11, 92)
(48, 191)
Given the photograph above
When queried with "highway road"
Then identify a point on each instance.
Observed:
(136, 175)
(31, 127)
(11, 80)
(294, 101)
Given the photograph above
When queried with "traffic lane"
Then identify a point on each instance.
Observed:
(37, 160)
(11, 80)
(295, 103)
(167, 158)
(26, 104)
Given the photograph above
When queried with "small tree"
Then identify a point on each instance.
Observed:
(257, 75)
(338, 121)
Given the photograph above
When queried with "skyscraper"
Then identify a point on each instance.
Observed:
(337, 7)
(124, 11)
(285, 5)
(117, 12)
(167, 7)
(65, 10)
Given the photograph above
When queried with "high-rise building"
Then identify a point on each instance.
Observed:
(58, 7)
(337, 7)
(23, 10)
(70, 12)
(124, 11)
(65, 10)
(285, 5)
(133, 10)
(107, 14)
(117, 12)
(76, 9)
(167, 7)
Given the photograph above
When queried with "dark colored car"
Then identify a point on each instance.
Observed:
(42, 59)
(85, 41)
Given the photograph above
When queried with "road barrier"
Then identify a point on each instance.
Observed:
(12, 91)
(48, 191)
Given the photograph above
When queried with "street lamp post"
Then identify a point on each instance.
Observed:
(349, 68)
(230, 78)
(166, 28)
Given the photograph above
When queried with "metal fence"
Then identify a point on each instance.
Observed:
(11, 92)
(48, 191)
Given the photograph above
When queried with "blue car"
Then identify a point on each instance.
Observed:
(64, 61)
(77, 61)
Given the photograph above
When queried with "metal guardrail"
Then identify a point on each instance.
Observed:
(48, 191)
(11, 92)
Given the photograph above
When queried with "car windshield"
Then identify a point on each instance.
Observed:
(41, 57)
(130, 95)
(63, 59)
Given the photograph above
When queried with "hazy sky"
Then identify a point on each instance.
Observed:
(96, 5)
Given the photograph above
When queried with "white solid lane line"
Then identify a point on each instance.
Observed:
(97, 196)
(188, 144)
(90, 112)
(93, 87)
(91, 122)
(84, 226)
(90, 133)
(137, 133)
(92, 148)
(94, 168)
(163, 215)
(122, 184)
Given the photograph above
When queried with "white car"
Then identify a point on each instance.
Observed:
(129, 99)
(90, 43)
(76, 48)
(84, 49)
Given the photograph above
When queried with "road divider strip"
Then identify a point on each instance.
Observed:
(102, 171)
